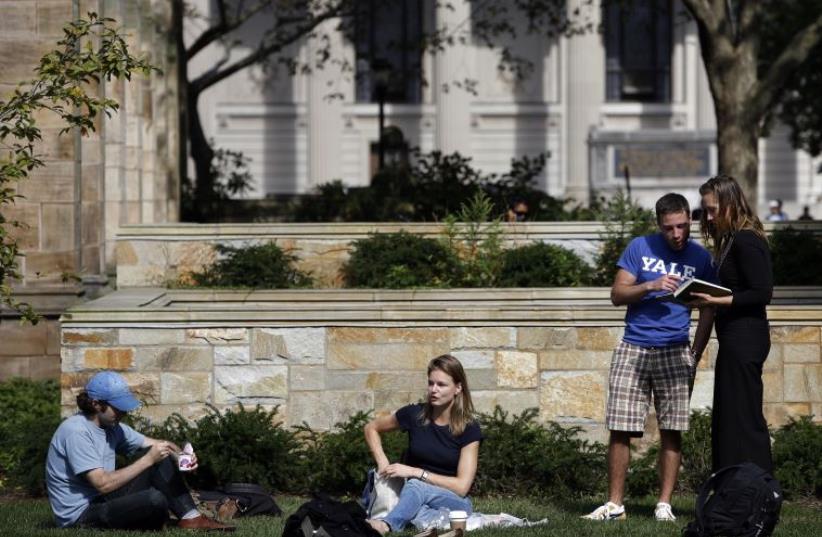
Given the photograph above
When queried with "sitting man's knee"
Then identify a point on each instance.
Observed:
(157, 500)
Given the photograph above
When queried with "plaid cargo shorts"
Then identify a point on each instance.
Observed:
(637, 373)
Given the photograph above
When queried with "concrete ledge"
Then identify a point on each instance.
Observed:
(157, 307)
(343, 231)
(355, 230)
(47, 300)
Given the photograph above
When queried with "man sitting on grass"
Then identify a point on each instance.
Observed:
(83, 486)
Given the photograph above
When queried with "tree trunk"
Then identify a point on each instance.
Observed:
(732, 77)
(178, 13)
(202, 154)
(737, 142)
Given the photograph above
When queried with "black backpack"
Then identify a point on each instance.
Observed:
(741, 500)
(240, 499)
(326, 517)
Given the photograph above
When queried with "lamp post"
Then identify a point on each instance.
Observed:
(381, 71)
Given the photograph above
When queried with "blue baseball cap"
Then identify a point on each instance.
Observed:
(112, 388)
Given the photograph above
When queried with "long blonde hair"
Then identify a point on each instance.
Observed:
(462, 409)
(733, 213)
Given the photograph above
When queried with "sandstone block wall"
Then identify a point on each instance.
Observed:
(321, 374)
(125, 172)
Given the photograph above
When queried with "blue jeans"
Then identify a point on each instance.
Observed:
(418, 497)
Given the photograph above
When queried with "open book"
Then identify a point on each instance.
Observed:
(695, 285)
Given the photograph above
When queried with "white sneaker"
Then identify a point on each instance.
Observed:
(609, 511)
(663, 512)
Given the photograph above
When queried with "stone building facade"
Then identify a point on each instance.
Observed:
(634, 94)
(125, 172)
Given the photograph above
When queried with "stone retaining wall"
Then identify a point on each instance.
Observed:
(154, 255)
(322, 356)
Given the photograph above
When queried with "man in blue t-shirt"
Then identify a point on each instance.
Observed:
(86, 490)
(654, 356)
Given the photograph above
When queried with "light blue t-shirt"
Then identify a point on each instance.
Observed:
(79, 445)
(652, 322)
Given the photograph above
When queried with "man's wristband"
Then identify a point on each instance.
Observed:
(424, 476)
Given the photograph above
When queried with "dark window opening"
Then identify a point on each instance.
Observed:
(638, 51)
(388, 39)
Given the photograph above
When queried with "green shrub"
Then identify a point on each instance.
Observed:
(643, 476)
(520, 456)
(797, 256)
(797, 457)
(242, 445)
(543, 265)
(399, 260)
(30, 414)
(231, 177)
(696, 451)
(336, 462)
(624, 220)
(264, 266)
(475, 238)
(433, 186)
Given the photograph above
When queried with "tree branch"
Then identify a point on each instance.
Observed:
(748, 15)
(213, 76)
(796, 52)
(704, 15)
(224, 26)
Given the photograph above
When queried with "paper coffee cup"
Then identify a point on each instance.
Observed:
(458, 519)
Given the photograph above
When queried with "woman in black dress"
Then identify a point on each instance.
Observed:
(739, 430)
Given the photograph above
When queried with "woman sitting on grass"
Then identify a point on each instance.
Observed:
(443, 446)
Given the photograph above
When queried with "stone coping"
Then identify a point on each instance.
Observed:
(350, 231)
(584, 306)
(46, 299)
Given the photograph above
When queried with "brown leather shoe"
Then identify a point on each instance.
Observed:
(203, 523)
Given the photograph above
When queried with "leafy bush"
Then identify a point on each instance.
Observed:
(231, 177)
(400, 260)
(30, 415)
(257, 266)
(543, 265)
(696, 451)
(797, 256)
(475, 238)
(796, 456)
(242, 445)
(520, 456)
(624, 220)
(431, 187)
(643, 476)
(336, 462)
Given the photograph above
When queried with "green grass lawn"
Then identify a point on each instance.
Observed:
(33, 518)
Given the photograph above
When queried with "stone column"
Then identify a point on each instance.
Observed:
(325, 116)
(454, 64)
(584, 94)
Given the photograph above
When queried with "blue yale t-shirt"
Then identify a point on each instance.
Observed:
(432, 447)
(656, 323)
